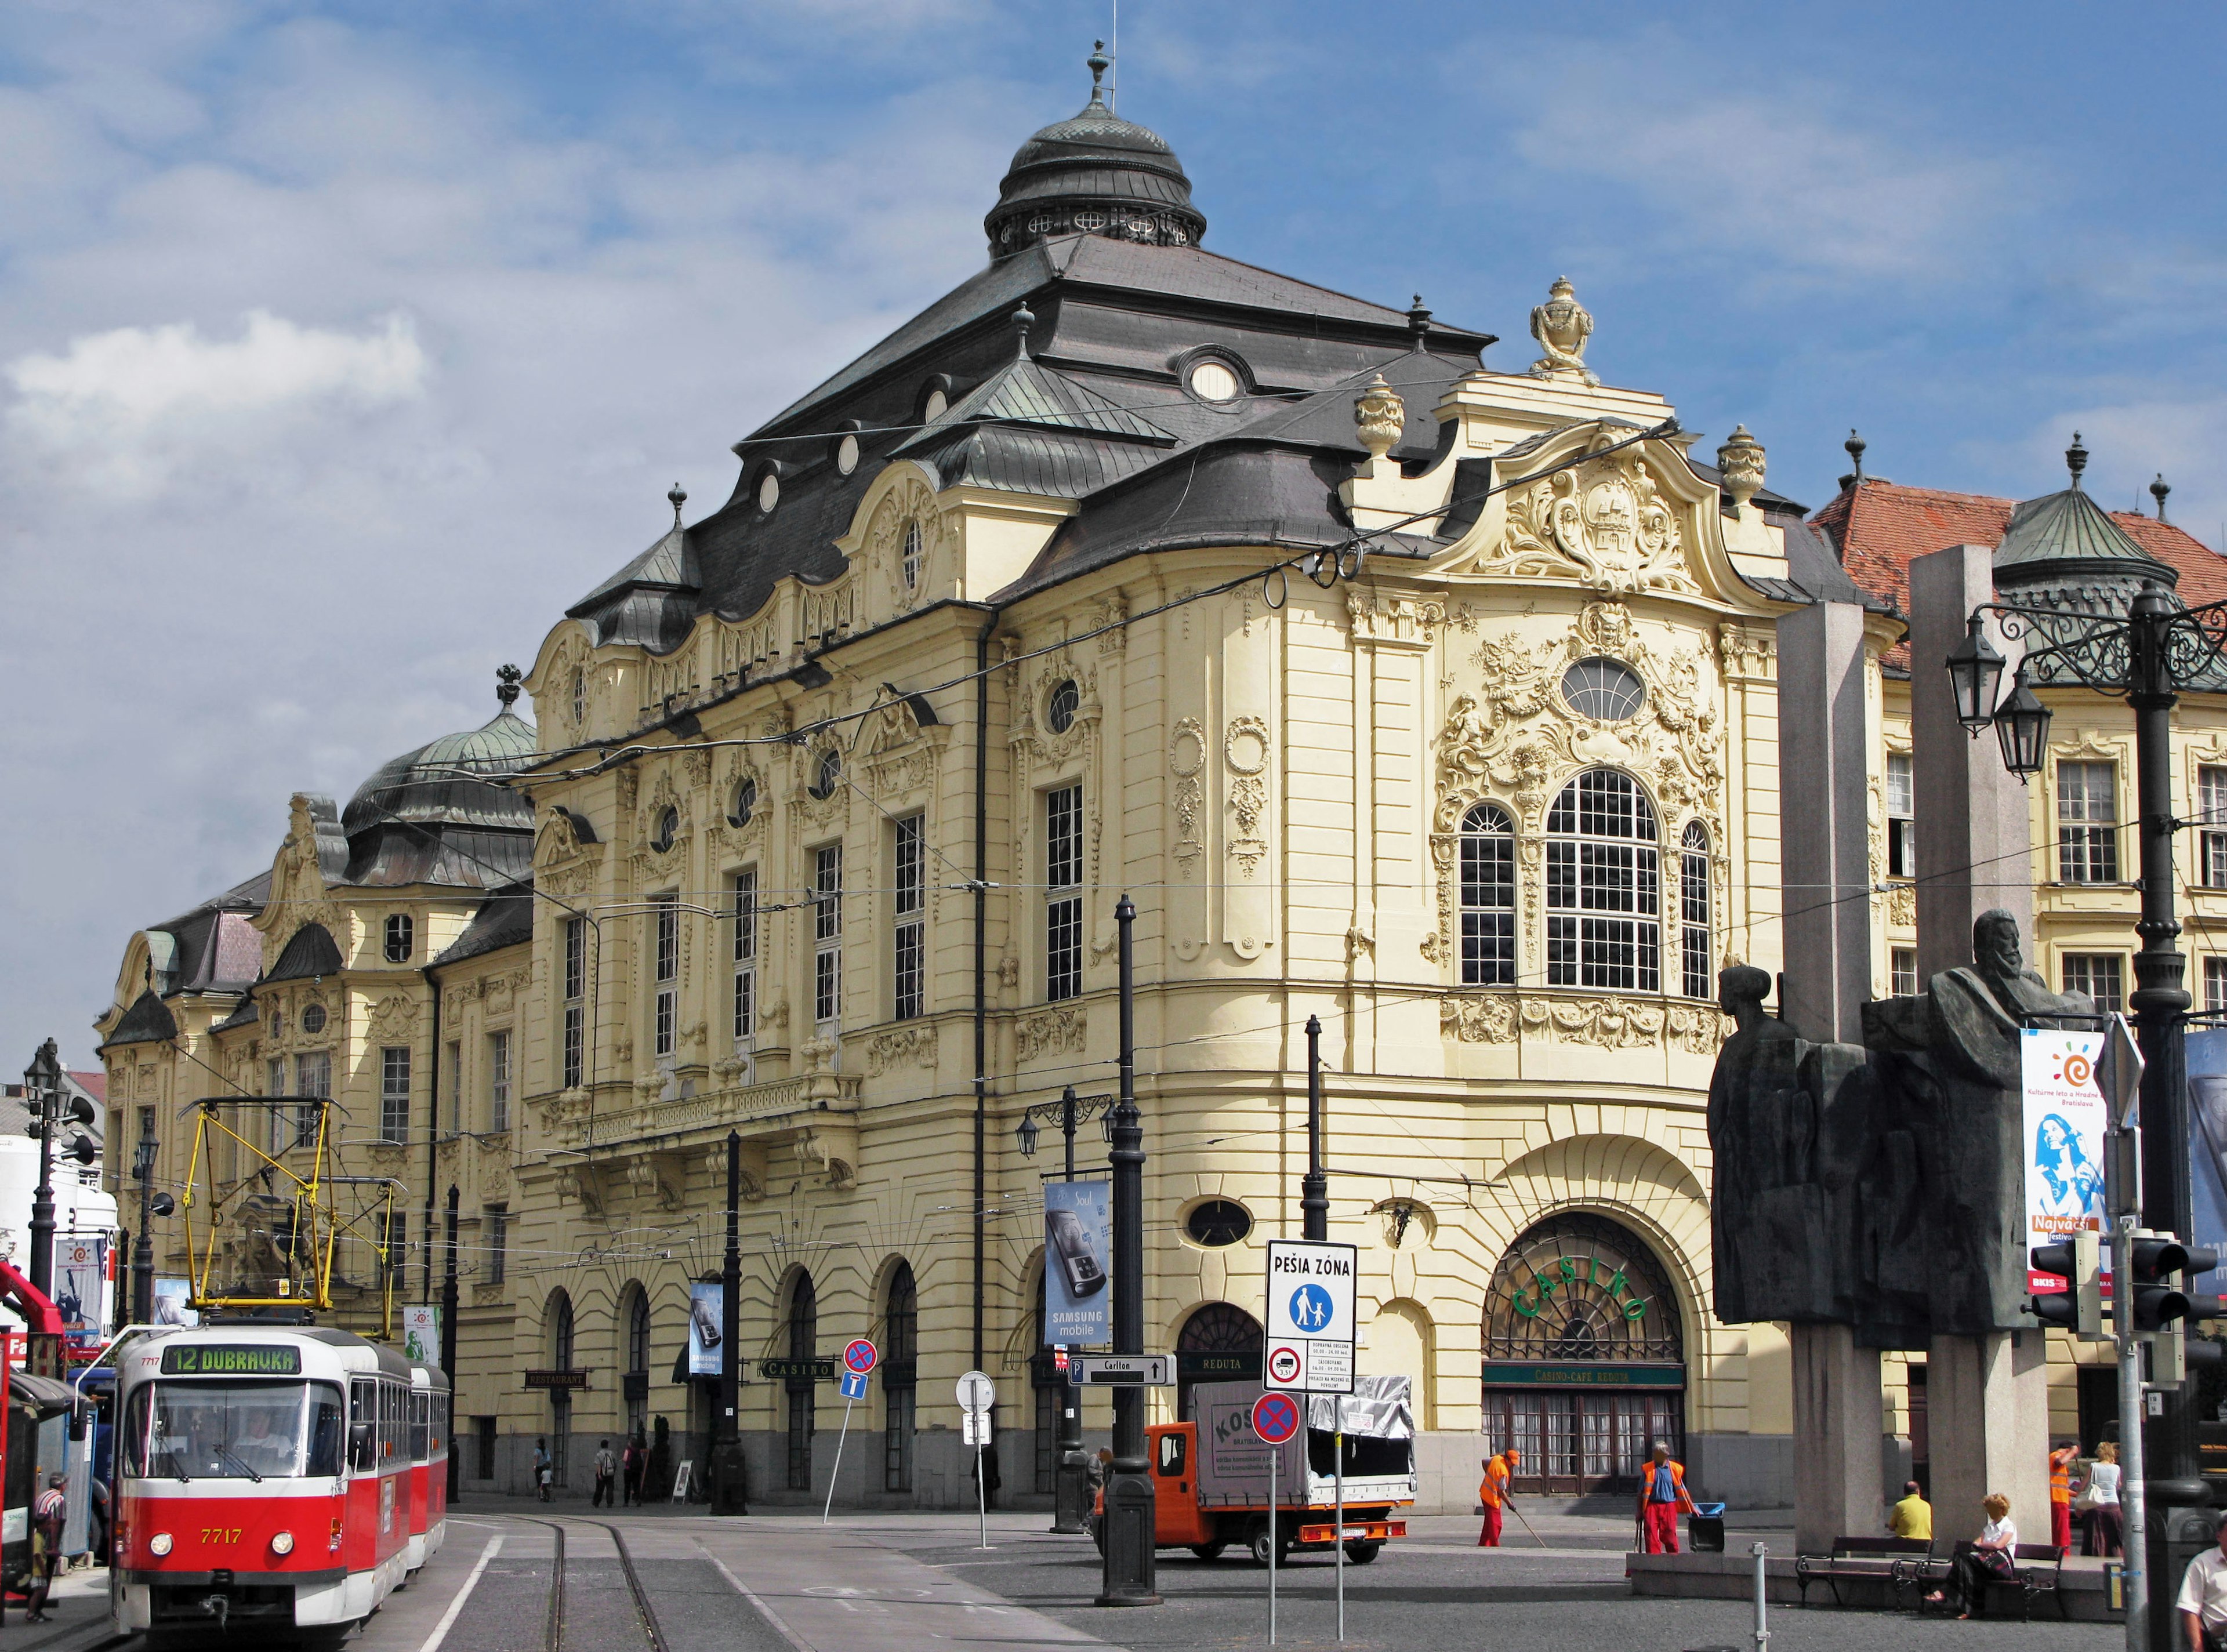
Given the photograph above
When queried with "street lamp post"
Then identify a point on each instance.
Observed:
(1314, 1187)
(449, 1339)
(1071, 1491)
(42, 1090)
(2144, 659)
(142, 1249)
(727, 1456)
(1130, 1574)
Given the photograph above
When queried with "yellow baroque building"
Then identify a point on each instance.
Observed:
(1432, 702)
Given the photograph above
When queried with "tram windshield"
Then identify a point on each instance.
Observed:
(234, 1431)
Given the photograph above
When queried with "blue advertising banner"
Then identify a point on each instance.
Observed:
(1078, 1246)
(706, 1301)
(2207, 1144)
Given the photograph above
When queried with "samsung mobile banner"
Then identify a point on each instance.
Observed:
(1078, 1247)
(707, 1303)
(2207, 1142)
(2064, 1120)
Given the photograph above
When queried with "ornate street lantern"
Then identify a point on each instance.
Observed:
(2022, 726)
(1026, 1135)
(1975, 671)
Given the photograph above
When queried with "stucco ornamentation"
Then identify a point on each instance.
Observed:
(393, 1020)
(1186, 758)
(1561, 327)
(1604, 522)
(1055, 1031)
(1379, 416)
(1478, 1021)
(1740, 461)
(908, 502)
(1245, 750)
(1608, 1024)
(898, 1046)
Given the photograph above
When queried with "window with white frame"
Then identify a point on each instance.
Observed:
(1901, 816)
(274, 1084)
(456, 1058)
(827, 940)
(742, 902)
(395, 1093)
(1604, 900)
(2215, 983)
(1488, 898)
(910, 907)
(2212, 805)
(665, 949)
(575, 1035)
(313, 1076)
(496, 1225)
(2100, 975)
(1693, 910)
(498, 1057)
(1902, 972)
(2087, 823)
(1062, 892)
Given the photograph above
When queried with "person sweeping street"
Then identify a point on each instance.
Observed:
(1493, 1493)
(1662, 1497)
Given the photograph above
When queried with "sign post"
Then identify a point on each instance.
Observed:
(977, 1393)
(857, 1359)
(1309, 1345)
(1275, 1420)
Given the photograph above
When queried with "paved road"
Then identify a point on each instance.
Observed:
(782, 1582)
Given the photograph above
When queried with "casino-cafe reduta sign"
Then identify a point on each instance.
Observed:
(1530, 1300)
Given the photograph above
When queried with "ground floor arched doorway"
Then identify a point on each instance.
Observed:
(1584, 1360)
(1220, 1342)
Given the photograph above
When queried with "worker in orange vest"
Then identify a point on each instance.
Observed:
(1492, 1491)
(1663, 1495)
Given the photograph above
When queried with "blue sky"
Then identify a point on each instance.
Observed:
(341, 345)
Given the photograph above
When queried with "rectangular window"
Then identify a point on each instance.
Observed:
(1901, 973)
(2087, 823)
(1901, 817)
(483, 1439)
(576, 1006)
(1694, 914)
(745, 909)
(2215, 983)
(274, 1084)
(2212, 801)
(395, 1093)
(1488, 899)
(1048, 1396)
(909, 962)
(497, 1227)
(313, 1076)
(2098, 975)
(827, 939)
(498, 1054)
(665, 943)
(456, 1087)
(1062, 893)
(898, 1418)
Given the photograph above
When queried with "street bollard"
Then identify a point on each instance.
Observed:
(1762, 1589)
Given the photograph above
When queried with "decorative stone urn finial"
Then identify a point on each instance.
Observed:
(1561, 326)
(2158, 489)
(1739, 461)
(2075, 459)
(507, 679)
(676, 496)
(1380, 416)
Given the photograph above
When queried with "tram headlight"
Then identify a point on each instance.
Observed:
(283, 1543)
(159, 1545)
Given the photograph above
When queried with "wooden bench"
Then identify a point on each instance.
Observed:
(2037, 1569)
(1870, 1559)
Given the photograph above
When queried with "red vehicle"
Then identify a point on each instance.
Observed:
(263, 1475)
(429, 1463)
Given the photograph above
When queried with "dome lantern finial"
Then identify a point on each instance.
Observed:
(2159, 489)
(1024, 319)
(506, 684)
(676, 496)
(1093, 174)
(1098, 63)
(2075, 459)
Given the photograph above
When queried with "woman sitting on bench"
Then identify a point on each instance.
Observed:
(1986, 1560)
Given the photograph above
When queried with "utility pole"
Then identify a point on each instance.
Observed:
(143, 1252)
(1314, 1187)
(449, 1339)
(1129, 1577)
(727, 1455)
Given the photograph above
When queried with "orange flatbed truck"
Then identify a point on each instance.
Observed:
(1210, 1476)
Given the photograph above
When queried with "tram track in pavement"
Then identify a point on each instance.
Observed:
(553, 1631)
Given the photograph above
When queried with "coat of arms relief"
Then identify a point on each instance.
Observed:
(1604, 523)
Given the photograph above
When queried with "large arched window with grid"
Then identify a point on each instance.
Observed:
(1694, 909)
(900, 1377)
(803, 1341)
(1488, 898)
(636, 1383)
(1604, 886)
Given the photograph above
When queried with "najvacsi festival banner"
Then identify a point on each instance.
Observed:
(2207, 1144)
(2064, 1120)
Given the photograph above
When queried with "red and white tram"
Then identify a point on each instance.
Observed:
(264, 1477)
(428, 1462)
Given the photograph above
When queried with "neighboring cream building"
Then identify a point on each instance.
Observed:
(838, 785)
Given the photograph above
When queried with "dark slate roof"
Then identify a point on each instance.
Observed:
(147, 1021)
(310, 955)
(504, 918)
(210, 948)
(245, 1015)
(1093, 170)
(2068, 533)
(418, 819)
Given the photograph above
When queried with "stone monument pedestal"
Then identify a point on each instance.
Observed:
(1838, 1420)
(1987, 1407)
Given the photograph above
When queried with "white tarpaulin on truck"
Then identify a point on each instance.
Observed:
(1378, 1409)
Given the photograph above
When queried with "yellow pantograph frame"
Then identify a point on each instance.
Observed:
(313, 1210)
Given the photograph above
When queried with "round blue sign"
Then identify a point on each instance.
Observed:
(1311, 1308)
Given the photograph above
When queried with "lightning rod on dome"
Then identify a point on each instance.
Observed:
(1113, 34)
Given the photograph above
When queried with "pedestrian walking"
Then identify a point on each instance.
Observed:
(98, 1507)
(545, 1470)
(607, 1472)
(2062, 1462)
(2203, 1604)
(631, 1461)
(2107, 1519)
(1662, 1497)
(48, 1514)
(1492, 1492)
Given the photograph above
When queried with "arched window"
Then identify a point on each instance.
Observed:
(1488, 898)
(560, 1330)
(803, 1337)
(560, 1322)
(900, 1375)
(1220, 1342)
(636, 1383)
(1604, 895)
(1693, 948)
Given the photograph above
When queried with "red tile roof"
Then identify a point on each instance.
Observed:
(1878, 526)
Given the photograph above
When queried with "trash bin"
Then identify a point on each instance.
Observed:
(1704, 1528)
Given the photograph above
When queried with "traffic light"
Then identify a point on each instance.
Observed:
(2161, 1309)
(2078, 1309)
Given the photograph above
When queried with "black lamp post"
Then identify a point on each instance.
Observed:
(1131, 1568)
(2144, 659)
(727, 1478)
(143, 1250)
(42, 1088)
(1071, 1494)
(1314, 1187)
(448, 1341)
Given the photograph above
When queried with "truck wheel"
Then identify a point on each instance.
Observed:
(1257, 1541)
(1361, 1554)
(1209, 1551)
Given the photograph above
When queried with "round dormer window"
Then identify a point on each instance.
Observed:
(768, 492)
(745, 804)
(277, 1025)
(1212, 380)
(668, 829)
(313, 1019)
(1218, 1222)
(934, 407)
(846, 455)
(1066, 700)
(912, 550)
(828, 776)
(1605, 690)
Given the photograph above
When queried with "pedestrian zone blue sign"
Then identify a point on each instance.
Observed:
(1312, 1308)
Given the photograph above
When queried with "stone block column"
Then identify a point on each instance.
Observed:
(1838, 1412)
(1824, 751)
(1987, 1407)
